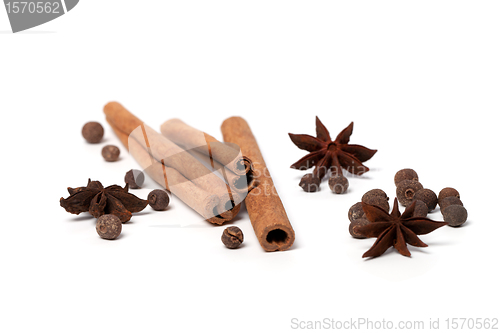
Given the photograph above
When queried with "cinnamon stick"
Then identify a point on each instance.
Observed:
(198, 199)
(191, 138)
(264, 206)
(171, 155)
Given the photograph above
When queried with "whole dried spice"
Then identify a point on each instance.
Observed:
(92, 132)
(448, 201)
(134, 178)
(338, 184)
(455, 215)
(110, 153)
(405, 174)
(447, 192)
(406, 191)
(108, 226)
(98, 201)
(377, 201)
(158, 199)
(355, 212)
(421, 209)
(395, 229)
(354, 225)
(310, 183)
(325, 154)
(232, 237)
(376, 192)
(428, 197)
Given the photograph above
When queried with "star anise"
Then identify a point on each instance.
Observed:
(326, 154)
(97, 200)
(395, 229)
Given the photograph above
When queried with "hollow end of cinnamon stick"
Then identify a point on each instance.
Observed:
(277, 238)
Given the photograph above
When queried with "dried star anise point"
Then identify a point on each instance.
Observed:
(98, 201)
(395, 229)
(327, 154)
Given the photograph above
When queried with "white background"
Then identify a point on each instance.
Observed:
(419, 79)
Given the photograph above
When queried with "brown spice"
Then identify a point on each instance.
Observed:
(310, 183)
(232, 237)
(110, 153)
(355, 212)
(421, 209)
(374, 193)
(378, 201)
(338, 184)
(455, 215)
(447, 192)
(135, 178)
(428, 197)
(448, 201)
(406, 191)
(98, 201)
(109, 226)
(354, 225)
(158, 199)
(405, 174)
(93, 132)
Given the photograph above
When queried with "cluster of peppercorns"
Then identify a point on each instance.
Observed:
(93, 132)
(356, 215)
(409, 189)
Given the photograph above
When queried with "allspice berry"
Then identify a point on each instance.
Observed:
(406, 191)
(405, 174)
(338, 184)
(232, 237)
(93, 132)
(110, 153)
(447, 192)
(134, 178)
(310, 183)
(421, 209)
(355, 212)
(158, 199)
(448, 201)
(428, 197)
(374, 193)
(455, 215)
(109, 226)
(354, 225)
(378, 201)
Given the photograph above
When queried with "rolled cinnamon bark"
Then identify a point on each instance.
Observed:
(191, 138)
(169, 154)
(264, 206)
(198, 199)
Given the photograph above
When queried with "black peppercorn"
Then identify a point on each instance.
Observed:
(338, 184)
(355, 212)
(448, 201)
(428, 197)
(455, 215)
(158, 199)
(406, 191)
(354, 225)
(134, 178)
(374, 193)
(109, 226)
(405, 174)
(232, 237)
(310, 183)
(92, 132)
(110, 153)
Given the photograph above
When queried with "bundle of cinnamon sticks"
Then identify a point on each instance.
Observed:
(211, 177)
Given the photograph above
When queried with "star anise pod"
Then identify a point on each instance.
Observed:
(395, 229)
(326, 154)
(98, 200)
